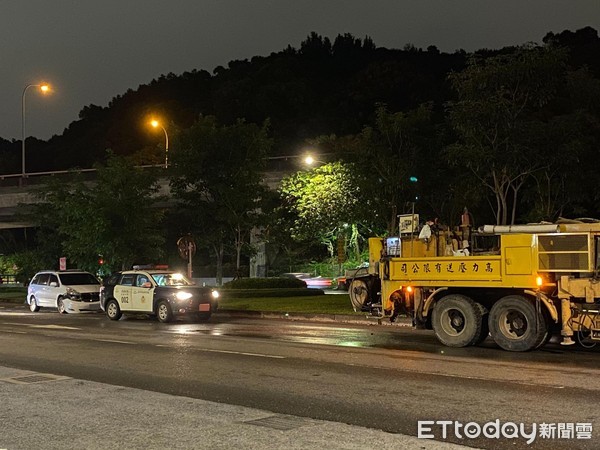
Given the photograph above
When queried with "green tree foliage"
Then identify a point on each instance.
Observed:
(217, 181)
(385, 156)
(325, 201)
(496, 118)
(115, 217)
(525, 123)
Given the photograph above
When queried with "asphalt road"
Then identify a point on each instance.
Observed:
(381, 377)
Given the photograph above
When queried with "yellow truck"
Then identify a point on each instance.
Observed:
(530, 282)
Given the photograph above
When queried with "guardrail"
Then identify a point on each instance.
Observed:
(17, 179)
(8, 279)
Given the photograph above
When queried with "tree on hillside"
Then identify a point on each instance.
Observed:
(217, 180)
(497, 120)
(569, 135)
(385, 157)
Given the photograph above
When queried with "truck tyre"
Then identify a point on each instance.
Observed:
(359, 293)
(516, 325)
(456, 321)
(485, 329)
(550, 331)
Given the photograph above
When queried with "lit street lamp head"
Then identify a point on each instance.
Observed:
(44, 89)
(311, 161)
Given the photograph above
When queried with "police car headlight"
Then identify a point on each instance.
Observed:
(183, 295)
(75, 295)
(214, 294)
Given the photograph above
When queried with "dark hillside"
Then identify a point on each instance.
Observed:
(321, 88)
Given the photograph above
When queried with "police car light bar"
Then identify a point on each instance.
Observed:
(151, 266)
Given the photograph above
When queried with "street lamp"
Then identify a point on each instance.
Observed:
(156, 124)
(309, 160)
(44, 88)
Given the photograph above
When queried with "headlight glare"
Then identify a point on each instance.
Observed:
(215, 294)
(183, 295)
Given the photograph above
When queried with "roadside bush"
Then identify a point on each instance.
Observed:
(227, 294)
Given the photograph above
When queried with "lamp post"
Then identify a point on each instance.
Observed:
(156, 124)
(43, 88)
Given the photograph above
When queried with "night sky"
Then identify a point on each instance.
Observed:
(92, 51)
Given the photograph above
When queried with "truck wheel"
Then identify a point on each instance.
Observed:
(550, 331)
(485, 328)
(457, 321)
(516, 325)
(359, 294)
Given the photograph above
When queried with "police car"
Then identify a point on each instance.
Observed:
(163, 293)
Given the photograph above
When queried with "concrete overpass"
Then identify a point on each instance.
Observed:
(15, 191)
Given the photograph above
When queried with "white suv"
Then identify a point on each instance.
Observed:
(68, 291)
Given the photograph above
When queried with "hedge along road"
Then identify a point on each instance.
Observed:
(268, 300)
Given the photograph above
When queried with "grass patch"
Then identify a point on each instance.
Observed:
(13, 294)
(316, 304)
(322, 304)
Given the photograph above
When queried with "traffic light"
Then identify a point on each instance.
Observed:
(100, 260)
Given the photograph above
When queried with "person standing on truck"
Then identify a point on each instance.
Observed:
(426, 231)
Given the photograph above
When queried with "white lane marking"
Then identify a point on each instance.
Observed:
(14, 332)
(243, 353)
(466, 377)
(114, 341)
(49, 327)
(54, 327)
(12, 313)
(260, 355)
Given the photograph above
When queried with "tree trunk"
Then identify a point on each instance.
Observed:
(238, 252)
(219, 250)
(392, 222)
(354, 241)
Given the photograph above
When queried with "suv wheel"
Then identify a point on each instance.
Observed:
(163, 312)
(60, 305)
(113, 312)
(33, 306)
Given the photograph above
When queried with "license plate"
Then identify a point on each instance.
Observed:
(204, 306)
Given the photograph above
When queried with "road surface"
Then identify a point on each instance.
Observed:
(384, 378)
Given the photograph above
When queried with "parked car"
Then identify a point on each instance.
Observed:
(68, 291)
(163, 293)
(311, 281)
